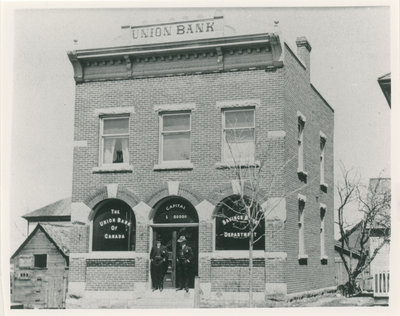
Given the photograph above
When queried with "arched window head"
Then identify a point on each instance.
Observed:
(233, 226)
(114, 227)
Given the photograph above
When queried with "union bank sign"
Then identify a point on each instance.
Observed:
(176, 31)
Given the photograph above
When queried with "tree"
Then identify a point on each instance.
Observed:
(373, 204)
(254, 183)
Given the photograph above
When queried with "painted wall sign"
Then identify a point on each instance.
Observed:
(176, 31)
(232, 229)
(113, 227)
(175, 210)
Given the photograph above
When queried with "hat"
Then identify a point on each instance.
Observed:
(182, 239)
(159, 239)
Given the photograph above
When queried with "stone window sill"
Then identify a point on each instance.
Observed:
(174, 165)
(324, 187)
(111, 255)
(122, 168)
(303, 259)
(230, 165)
(324, 260)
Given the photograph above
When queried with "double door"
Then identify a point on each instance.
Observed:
(169, 238)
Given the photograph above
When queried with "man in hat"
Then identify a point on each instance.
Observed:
(185, 261)
(158, 257)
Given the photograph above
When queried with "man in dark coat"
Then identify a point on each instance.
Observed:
(185, 262)
(158, 257)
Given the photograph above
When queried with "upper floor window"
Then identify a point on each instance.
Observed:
(322, 161)
(300, 142)
(114, 140)
(175, 137)
(238, 136)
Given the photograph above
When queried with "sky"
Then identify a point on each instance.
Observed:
(350, 50)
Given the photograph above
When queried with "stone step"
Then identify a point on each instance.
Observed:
(168, 298)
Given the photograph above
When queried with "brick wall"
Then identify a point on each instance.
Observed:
(282, 93)
(204, 91)
(299, 96)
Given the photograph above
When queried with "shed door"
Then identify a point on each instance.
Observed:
(55, 292)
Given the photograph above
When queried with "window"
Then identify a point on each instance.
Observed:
(322, 142)
(40, 261)
(114, 140)
(175, 137)
(301, 206)
(300, 142)
(238, 136)
(232, 226)
(322, 210)
(114, 227)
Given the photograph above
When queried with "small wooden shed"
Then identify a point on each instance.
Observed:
(41, 267)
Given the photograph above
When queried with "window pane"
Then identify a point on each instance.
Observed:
(176, 146)
(232, 227)
(115, 150)
(116, 126)
(239, 145)
(240, 136)
(114, 227)
(40, 261)
(239, 119)
(176, 122)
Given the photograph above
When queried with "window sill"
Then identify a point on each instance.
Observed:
(174, 165)
(231, 164)
(122, 168)
(111, 255)
(302, 174)
(324, 260)
(303, 259)
(324, 187)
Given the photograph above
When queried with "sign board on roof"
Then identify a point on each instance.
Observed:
(176, 31)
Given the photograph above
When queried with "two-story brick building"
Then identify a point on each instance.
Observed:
(153, 148)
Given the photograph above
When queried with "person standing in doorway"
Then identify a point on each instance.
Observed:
(184, 261)
(158, 257)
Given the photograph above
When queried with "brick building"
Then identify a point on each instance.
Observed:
(152, 124)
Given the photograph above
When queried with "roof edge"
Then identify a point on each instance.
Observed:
(322, 98)
(39, 226)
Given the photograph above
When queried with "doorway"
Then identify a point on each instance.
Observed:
(169, 238)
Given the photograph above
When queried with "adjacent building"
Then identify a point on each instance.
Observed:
(58, 212)
(158, 128)
(40, 268)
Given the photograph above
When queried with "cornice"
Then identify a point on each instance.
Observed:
(246, 52)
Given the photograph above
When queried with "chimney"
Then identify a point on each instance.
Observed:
(303, 51)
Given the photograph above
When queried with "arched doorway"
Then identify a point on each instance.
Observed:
(174, 217)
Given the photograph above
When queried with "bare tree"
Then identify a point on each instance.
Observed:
(373, 203)
(252, 186)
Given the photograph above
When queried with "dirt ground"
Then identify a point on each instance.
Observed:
(318, 301)
(333, 300)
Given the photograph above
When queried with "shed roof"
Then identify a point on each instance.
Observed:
(57, 234)
(60, 208)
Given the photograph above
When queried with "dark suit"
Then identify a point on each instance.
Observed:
(159, 257)
(185, 263)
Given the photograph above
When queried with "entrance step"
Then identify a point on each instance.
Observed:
(168, 298)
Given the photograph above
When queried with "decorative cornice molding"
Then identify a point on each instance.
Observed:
(238, 103)
(237, 53)
(175, 107)
(114, 110)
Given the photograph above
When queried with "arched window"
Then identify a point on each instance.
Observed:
(114, 227)
(232, 225)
